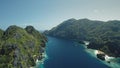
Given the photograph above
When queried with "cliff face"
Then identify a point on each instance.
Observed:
(104, 36)
(19, 48)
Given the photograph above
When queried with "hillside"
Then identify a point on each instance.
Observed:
(20, 48)
(104, 36)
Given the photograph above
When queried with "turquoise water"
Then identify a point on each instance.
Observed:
(68, 54)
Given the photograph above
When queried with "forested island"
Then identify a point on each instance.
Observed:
(103, 36)
(21, 47)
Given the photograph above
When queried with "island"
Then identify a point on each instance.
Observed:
(102, 36)
(21, 47)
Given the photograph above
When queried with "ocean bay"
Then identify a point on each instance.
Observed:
(68, 54)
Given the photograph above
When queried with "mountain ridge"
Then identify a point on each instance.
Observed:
(104, 36)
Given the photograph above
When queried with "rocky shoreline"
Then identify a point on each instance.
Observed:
(110, 61)
(40, 61)
(99, 54)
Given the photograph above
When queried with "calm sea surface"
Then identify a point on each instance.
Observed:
(68, 54)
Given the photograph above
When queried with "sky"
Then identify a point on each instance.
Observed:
(45, 14)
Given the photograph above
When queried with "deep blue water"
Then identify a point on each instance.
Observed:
(68, 54)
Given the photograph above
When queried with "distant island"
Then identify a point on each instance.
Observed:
(102, 36)
(21, 47)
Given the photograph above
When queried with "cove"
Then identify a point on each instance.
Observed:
(68, 54)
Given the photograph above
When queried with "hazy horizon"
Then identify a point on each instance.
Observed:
(45, 14)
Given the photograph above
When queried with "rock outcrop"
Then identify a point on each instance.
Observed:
(20, 48)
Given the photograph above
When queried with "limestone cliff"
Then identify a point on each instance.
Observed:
(19, 47)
